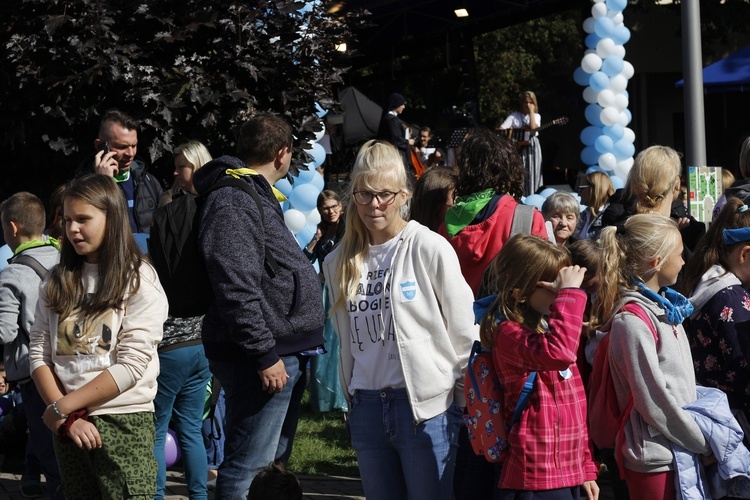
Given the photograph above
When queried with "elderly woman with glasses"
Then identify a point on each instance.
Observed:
(404, 317)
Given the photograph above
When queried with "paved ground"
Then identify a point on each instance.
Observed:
(315, 487)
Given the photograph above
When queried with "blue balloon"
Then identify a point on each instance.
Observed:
(304, 198)
(284, 186)
(534, 200)
(623, 149)
(5, 254)
(318, 181)
(320, 111)
(594, 168)
(305, 176)
(591, 40)
(604, 27)
(603, 144)
(589, 135)
(546, 193)
(628, 114)
(599, 81)
(581, 77)
(620, 35)
(318, 153)
(285, 205)
(615, 132)
(617, 5)
(617, 182)
(612, 65)
(592, 113)
(589, 155)
(304, 235)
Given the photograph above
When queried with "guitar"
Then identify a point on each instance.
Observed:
(522, 136)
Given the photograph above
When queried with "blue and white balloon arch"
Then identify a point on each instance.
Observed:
(604, 72)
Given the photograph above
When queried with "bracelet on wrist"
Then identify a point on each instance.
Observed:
(57, 411)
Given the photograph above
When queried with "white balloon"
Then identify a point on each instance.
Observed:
(294, 220)
(618, 83)
(588, 25)
(629, 135)
(609, 116)
(623, 119)
(313, 217)
(605, 47)
(319, 135)
(591, 63)
(598, 10)
(606, 98)
(628, 70)
(616, 17)
(621, 102)
(607, 161)
(619, 51)
(590, 95)
(622, 168)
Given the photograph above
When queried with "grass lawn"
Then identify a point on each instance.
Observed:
(321, 446)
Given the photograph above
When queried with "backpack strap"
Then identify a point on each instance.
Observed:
(637, 310)
(29, 261)
(523, 218)
(39, 269)
(523, 399)
(270, 260)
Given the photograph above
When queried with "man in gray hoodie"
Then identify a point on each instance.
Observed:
(267, 310)
(23, 221)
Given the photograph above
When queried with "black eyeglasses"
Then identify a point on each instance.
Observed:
(384, 197)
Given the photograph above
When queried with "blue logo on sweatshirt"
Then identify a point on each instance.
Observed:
(409, 290)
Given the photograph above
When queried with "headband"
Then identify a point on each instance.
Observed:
(739, 235)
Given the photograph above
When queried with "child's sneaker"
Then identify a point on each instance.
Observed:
(32, 488)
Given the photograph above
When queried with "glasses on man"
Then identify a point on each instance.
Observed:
(384, 197)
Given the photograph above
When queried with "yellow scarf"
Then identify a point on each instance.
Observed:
(242, 172)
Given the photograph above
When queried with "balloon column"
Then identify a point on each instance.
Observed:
(608, 142)
(300, 211)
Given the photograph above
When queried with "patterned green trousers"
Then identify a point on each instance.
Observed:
(124, 467)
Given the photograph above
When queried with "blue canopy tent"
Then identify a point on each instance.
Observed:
(731, 74)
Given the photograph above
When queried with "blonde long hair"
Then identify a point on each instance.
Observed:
(654, 174)
(379, 161)
(627, 255)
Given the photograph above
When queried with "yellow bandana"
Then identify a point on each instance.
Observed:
(242, 172)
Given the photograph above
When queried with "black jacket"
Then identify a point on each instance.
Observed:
(256, 314)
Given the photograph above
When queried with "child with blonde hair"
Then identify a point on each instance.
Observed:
(639, 262)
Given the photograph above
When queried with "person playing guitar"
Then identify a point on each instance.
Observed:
(529, 149)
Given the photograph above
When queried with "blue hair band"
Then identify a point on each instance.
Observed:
(739, 235)
(742, 208)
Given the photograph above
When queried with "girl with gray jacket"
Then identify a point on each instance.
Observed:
(403, 314)
(640, 261)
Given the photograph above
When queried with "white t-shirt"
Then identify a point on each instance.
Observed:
(377, 363)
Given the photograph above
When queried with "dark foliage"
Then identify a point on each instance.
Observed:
(187, 69)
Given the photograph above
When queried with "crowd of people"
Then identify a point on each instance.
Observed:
(108, 346)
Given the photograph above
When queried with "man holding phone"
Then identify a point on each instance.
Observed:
(116, 147)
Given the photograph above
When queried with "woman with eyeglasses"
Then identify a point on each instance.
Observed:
(404, 317)
(595, 191)
(330, 228)
(325, 391)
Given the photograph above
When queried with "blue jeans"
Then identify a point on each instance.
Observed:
(183, 377)
(41, 438)
(397, 458)
(254, 422)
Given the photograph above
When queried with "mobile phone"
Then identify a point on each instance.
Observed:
(104, 146)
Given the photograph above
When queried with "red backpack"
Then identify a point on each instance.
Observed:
(606, 421)
(488, 431)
